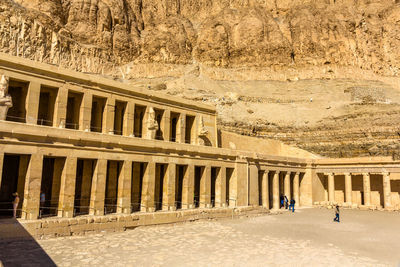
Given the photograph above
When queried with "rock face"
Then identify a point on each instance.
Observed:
(207, 41)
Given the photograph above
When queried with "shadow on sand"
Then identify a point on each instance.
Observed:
(19, 248)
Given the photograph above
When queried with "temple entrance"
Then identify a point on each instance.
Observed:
(47, 101)
(198, 173)
(18, 92)
(113, 174)
(50, 186)
(12, 180)
(180, 174)
(96, 121)
(138, 170)
(73, 110)
(83, 185)
(159, 185)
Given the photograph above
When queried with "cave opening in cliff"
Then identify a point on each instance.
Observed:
(18, 92)
(189, 134)
(96, 122)
(138, 120)
(159, 113)
(113, 176)
(174, 126)
(74, 103)
(180, 175)
(161, 170)
(83, 185)
(12, 180)
(47, 101)
(119, 117)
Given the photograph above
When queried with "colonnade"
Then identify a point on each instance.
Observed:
(366, 180)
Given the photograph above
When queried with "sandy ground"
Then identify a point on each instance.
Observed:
(307, 237)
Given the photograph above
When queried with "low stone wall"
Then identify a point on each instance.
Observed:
(328, 205)
(56, 227)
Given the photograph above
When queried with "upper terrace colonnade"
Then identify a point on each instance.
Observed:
(97, 146)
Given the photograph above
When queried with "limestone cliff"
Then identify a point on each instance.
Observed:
(321, 74)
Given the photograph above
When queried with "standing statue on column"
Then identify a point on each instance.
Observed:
(5, 98)
(152, 125)
(202, 129)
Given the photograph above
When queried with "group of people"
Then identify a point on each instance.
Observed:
(285, 203)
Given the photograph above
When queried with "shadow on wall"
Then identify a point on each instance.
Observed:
(19, 248)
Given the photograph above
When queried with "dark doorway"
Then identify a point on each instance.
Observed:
(198, 173)
(50, 186)
(189, 129)
(214, 175)
(119, 116)
(83, 185)
(113, 173)
(73, 110)
(18, 92)
(96, 121)
(229, 186)
(180, 174)
(139, 169)
(159, 185)
(138, 120)
(174, 125)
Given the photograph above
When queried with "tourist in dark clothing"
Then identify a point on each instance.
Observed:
(286, 202)
(337, 213)
(292, 202)
(282, 201)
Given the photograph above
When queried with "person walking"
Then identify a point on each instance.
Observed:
(15, 204)
(337, 213)
(282, 201)
(42, 202)
(286, 202)
(292, 203)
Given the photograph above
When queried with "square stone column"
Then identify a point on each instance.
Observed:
(22, 172)
(85, 115)
(331, 188)
(60, 110)
(32, 102)
(166, 123)
(136, 193)
(265, 190)
(129, 119)
(205, 188)
(98, 191)
(240, 186)
(30, 206)
(67, 189)
(181, 129)
(169, 188)
(286, 180)
(148, 188)
(386, 191)
(275, 191)
(124, 188)
(253, 186)
(348, 188)
(188, 188)
(367, 189)
(220, 188)
(109, 113)
(296, 188)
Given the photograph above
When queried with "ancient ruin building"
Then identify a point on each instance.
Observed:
(96, 147)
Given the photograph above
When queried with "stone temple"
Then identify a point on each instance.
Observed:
(107, 156)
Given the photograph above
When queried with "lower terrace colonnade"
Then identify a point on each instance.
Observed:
(361, 189)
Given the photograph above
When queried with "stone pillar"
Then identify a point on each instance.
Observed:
(265, 190)
(287, 185)
(124, 188)
(220, 188)
(60, 111)
(169, 188)
(85, 115)
(205, 188)
(109, 114)
(98, 188)
(331, 187)
(188, 188)
(275, 190)
(348, 188)
(32, 103)
(136, 190)
(22, 171)
(166, 125)
(149, 180)
(67, 189)
(386, 190)
(181, 129)
(129, 119)
(30, 206)
(296, 188)
(367, 189)
(253, 193)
